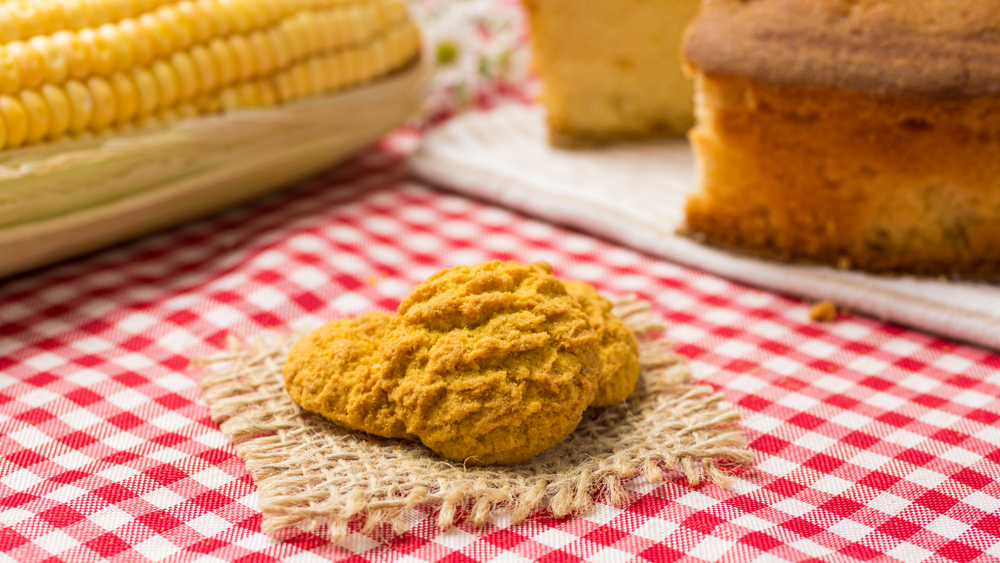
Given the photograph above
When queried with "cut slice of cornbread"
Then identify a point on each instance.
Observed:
(611, 69)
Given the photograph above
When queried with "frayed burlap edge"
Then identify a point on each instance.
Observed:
(311, 473)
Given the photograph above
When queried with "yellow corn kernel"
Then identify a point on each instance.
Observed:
(74, 14)
(167, 79)
(269, 11)
(180, 26)
(137, 7)
(380, 58)
(353, 25)
(245, 63)
(59, 111)
(300, 74)
(27, 18)
(258, 13)
(337, 29)
(322, 30)
(98, 13)
(208, 72)
(164, 41)
(203, 25)
(346, 66)
(240, 18)
(39, 116)
(81, 105)
(169, 115)
(285, 86)
(126, 97)
(210, 104)
(119, 45)
(73, 52)
(103, 97)
(143, 46)
(53, 61)
(268, 93)
(119, 9)
(230, 99)
(15, 117)
(369, 17)
(367, 63)
(10, 73)
(329, 63)
(279, 48)
(220, 21)
(317, 78)
(260, 46)
(99, 53)
(148, 90)
(143, 6)
(225, 61)
(3, 133)
(8, 27)
(187, 111)
(52, 18)
(249, 93)
(29, 60)
(296, 43)
(311, 27)
(188, 85)
(340, 28)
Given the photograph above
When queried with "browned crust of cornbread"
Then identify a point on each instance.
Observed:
(882, 183)
(937, 49)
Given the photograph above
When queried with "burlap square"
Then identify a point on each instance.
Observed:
(311, 473)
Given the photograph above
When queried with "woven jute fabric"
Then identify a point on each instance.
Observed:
(313, 475)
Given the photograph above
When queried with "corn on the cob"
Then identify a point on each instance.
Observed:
(72, 66)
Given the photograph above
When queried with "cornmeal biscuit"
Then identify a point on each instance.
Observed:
(333, 372)
(490, 363)
(619, 350)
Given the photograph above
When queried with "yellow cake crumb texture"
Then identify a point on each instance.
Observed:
(611, 69)
(485, 364)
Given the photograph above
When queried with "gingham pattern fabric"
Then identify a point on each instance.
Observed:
(873, 442)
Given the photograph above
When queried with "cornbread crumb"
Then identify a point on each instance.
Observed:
(823, 312)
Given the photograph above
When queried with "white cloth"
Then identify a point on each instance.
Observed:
(634, 194)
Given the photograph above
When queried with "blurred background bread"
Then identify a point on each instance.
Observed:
(856, 133)
(611, 69)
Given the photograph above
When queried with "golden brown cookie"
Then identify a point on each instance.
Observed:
(333, 372)
(619, 350)
(490, 363)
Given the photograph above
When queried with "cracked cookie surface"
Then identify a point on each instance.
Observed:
(618, 350)
(334, 372)
(490, 363)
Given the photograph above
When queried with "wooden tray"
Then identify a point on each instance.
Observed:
(72, 197)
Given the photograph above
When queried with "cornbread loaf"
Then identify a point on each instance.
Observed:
(74, 66)
(857, 133)
(611, 69)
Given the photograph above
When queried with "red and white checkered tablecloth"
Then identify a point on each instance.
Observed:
(873, 442)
